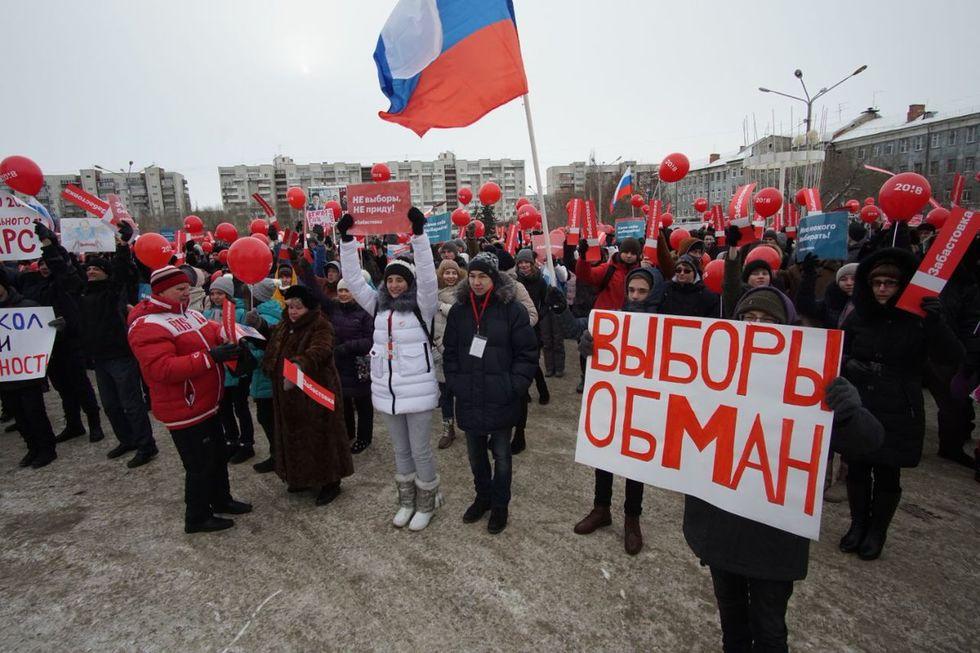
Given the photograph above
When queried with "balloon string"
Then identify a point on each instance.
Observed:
(894, 233)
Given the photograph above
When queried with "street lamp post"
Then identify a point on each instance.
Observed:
(808, 101)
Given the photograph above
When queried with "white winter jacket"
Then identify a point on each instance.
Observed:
(404, 381)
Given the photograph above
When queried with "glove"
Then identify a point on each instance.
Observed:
(125, 231)
(809, 264)
(272, 231)
(933, 309)
(842, 398)
(224, 353)
(287, 384)
(583, 247)
(732, 235)
(252, 319)
(58, 323)
(417, 218)
(343, 225)
(43, 233)
(585, 344)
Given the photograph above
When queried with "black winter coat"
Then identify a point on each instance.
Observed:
(885, 353)
(489, 390)
(739, 545)
(692, 299)
(103, 310)
(60, 290)
(353, 336)
(825, 312)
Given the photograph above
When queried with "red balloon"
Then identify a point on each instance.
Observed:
(223, 257)
(193, 224)
(527, 216)
(767, 254)
(249, 260)
(636, 201)
(525, 201)
(207, 246)
(801, 197)
(460, 217)
(22, 174)
(489, 193)
(937, 217)
(380, 172)
(296, 197)
(226, 232)
(262, 237)
(335, 207)
(153, 250)
(479, 229)
(870, 213)
(674, 167)
(714, 273)
(768, 201)
(646, 209)
(258, 226)
(869, 201)
(701, 205)
(903, 195)
(853, 206)
(666, 220)
(464, 195)
(676, 236)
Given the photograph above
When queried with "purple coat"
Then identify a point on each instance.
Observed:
(353, 331)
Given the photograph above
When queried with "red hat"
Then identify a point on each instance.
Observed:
(167, 277)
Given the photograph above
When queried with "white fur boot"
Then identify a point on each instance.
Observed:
(406, 499)
(429, 498)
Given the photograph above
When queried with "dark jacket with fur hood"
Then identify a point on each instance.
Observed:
(489, 390)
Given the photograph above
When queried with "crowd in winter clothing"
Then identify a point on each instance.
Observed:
(467, 328)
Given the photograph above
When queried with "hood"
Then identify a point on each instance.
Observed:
(648, 305)
(864, 301)
(503, 291)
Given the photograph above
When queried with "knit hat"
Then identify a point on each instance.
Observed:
(166, 278)
(695, 263)
(630, 246)
(846, 269)
(524, 255)
(98, 262)
(769, 233)
(752, 266)
(768, 300)
(485, 262)
(646, 273)
(224, 283)
(303, 294)
(402, 268)
(263, 290)
(342, 285)
(688, 243)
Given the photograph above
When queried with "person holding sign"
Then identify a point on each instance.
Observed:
(181, 355)
(311, 445)
(885, 355)
(403, 380)
(490, 359)
(753, 565)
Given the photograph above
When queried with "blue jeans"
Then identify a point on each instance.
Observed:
(493, 486)
(446, 401)
(121, 392)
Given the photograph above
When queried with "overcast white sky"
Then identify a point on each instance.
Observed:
(194, 84)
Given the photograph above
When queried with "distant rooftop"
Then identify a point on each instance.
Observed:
(882, 124)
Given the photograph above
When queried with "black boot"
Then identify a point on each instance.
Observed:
(266, 466)
(883, 506)
(70, 432)
(518, 444)
(95, 433)
(28, 458)
(859, 499)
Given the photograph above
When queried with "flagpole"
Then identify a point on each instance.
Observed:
(537, 180)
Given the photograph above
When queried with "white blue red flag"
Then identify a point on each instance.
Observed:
(624, 189)
(446, 63)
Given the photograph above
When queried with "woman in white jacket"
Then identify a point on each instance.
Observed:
(403, 380)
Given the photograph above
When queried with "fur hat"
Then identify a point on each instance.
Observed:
(303, 294)
(263, 290)
(224, 283)
(844, 270)
(770, 301)
(166, 278)
(887, 269)
(402, 268)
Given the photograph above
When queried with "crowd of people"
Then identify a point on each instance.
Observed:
(466, 327)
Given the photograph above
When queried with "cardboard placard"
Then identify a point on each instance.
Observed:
(86, 235)
(18, 241)
(823, 234)
(380, 208)
(25, 342)
(439, 228)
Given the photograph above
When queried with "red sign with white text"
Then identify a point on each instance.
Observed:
(94, 205)
(576, 209)
(311, 388)
(380, 208)
(590, 231)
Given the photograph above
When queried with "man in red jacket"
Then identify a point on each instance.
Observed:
(180, 353)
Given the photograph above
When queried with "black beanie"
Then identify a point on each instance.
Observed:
(752, 266)
(98, 262)
(630, 246)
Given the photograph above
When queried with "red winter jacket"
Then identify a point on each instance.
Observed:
(172, 346)
(613, 295)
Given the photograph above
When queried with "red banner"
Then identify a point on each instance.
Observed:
(380, 208)
(590, 231)
(269, 212)
(311, 388)
(511, 244)
(954, 197)
(812, 197)
(739, 206)
(119, 210)
(540, 243)
(937, 267)
(653, 230)
(576, 208)
(228, 324)
(94, 205)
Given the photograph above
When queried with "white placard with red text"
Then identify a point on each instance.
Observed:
(729, 412)
(18, 241)
(25, 342)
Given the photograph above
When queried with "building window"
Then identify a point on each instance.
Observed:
(903, 145)
(970, 162)
(950, 165)
(862, 152)
(951, 137)
(876, 152)
(967, 195)
(919, 142)
(934, 167)
(903, 168)
(971, 134)
(949, 193)
(889, 148)
(934, 142)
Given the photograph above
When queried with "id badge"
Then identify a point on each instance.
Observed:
(478, 346)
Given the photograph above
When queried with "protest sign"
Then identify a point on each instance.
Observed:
(631, 228)
(25, 342)
(380, 208)
(85, 235)
(823, 234)
(738, 207)
(311, 388)
(17, 239)
(439, 228)
(730, 412)
(266, 207)
(397, 249)
(320, 218)
(575, 209)
(119, 210)
(90, 203)
(511, 243)
(545, 244)
(944, 255)
(590, 231)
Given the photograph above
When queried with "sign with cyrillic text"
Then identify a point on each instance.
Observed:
(823, 234)
(18, 241)
(85, 235)
(311, 388)
(25, 342)
(380, 208)
(438, 228)
(729, 412)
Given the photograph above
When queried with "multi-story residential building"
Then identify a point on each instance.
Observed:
(152, 192)
(433, 183)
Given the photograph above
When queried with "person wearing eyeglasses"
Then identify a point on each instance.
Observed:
(686, 293)
(885, 354)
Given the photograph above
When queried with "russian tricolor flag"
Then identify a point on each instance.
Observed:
(446, 63)
(623, 189)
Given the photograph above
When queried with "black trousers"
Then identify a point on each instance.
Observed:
(266, 418)
(886, 477)
(202, 452)
(118, 380)
(30, 416)
(68, 376)
(752, 612)
(633, 505)
(236, 416)
(954, 415)
(359, 418)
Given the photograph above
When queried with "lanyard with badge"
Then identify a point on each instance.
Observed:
(479, 344)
